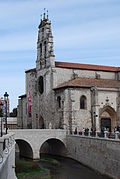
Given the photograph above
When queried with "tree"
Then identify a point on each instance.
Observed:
(14, 113)
(1, 114)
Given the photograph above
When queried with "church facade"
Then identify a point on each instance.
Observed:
(68, 95)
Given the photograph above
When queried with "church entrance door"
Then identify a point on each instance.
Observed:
(108, 118)
(106, 123)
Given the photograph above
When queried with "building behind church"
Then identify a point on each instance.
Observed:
(68, 95)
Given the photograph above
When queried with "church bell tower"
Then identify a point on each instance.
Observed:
(45, 52)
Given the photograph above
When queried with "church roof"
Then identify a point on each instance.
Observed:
(88, 83)
(31, 70)
(86, 67)
(22, 96)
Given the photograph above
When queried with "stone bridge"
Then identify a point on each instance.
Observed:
(33, 142)
(101, 154)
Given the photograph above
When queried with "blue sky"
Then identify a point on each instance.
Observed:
(85, 31)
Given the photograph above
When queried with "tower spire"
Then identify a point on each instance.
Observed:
(44, 14)
(41, 17)
(47, 14)
(45, 50)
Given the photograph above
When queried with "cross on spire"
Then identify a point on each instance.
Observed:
(45, 14)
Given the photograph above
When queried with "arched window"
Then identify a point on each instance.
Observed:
(42, 30)
(40, 49)
(41, 84)
(59, 101)
(83, 102)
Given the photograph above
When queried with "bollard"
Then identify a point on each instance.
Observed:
(116, 135)
(96, 133)
(82, 133)
(105, 134)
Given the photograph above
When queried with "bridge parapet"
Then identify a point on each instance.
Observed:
(39, 134)
(36, 137)
(7, 156)
(104, 135)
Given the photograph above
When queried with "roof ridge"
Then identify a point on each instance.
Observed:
(86, 66)
(88, 82)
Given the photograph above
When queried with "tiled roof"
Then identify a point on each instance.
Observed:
(89, 82)
(86, 66)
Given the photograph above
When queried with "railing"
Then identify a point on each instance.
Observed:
(6, 143)
(105, 134)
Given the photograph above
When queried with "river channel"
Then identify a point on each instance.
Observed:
(63, 168)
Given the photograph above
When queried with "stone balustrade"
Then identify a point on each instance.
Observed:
(6, 142)
(7, 156)
(97, 134)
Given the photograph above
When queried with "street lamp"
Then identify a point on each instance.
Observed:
(1, 104)
(6, 106)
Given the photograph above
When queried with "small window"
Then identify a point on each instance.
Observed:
(42, 32)
(40, 49)
(59, 101)
(45, 49)
(41, 85)
(83, 102)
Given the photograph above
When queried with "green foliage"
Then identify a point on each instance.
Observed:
(27, 169)
(14, 113)
(1, 114)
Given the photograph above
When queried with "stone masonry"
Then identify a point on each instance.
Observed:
(68, 95)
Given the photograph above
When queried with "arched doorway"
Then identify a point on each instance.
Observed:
(53, 146)
(25, 149)
(41, 123)
(106, 122)
(108, 118)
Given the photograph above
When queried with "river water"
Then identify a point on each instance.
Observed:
(70, 169)
(61, 168)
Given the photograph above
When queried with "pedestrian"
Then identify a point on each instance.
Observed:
(83, 131)
(75, 132)
(115, 129)
(102, 131)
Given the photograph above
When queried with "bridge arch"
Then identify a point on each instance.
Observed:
(53, 146)
(25, 148)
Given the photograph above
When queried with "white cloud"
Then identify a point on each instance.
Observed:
(84, 30)
(18, 41)
(88, 34)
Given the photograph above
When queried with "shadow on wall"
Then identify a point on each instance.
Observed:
(53, 147)
(24, 149)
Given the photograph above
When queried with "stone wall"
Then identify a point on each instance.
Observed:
(102, 155)
(45, 101)
(22, 113)
(111, 96)
(61, 75)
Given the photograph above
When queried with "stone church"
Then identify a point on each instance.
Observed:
(68, 95)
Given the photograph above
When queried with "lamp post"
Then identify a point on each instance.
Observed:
(6, 105)
(1, 104)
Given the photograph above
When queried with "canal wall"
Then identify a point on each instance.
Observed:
(102, 155)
